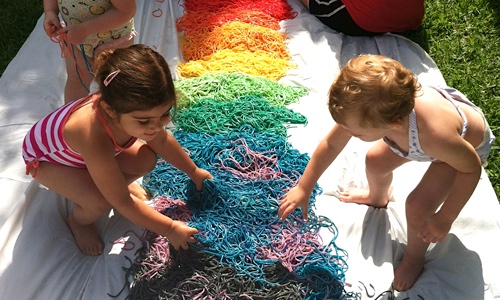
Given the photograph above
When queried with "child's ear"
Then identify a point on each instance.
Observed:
(396, 124)
(107, 109)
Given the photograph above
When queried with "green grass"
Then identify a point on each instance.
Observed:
(462, 36)
(17, 22)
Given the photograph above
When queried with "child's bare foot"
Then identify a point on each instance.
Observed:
(86, 237)
(361, 196)
(139, 192)
(406, 274)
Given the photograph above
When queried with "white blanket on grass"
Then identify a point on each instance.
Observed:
(38, 256)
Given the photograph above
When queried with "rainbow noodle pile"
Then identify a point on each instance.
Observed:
(278, 9)
(243, 251)
(255, 63)
(194, 24)
(214, 117)
(236, 215)
(224, 86)
(237, 36)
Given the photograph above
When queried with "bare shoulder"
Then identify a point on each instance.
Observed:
(84, 133)
(438, 121)
(436, 115)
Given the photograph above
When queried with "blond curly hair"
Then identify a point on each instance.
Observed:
(377, 89)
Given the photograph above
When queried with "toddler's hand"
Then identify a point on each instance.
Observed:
(199, 176)
(296, 197)
(181, 234)
(51, 24)
(75, 34)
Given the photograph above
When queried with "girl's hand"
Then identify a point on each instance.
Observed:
(435, 229)
(76, 34)
(296, 197)
(180, 235)
(199, 176)
(51, 24)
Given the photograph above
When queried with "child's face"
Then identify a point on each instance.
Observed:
(146, 124)
(370, 134)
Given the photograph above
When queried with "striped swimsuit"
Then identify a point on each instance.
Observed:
(45, 141)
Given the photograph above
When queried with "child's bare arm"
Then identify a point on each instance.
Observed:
(121, 13)
(326, 152)
(51, 22)
(99, 154)
(110, 181)
(166, 146)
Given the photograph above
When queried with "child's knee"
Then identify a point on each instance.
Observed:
(373, 163)
(417, 209)
(415, 203)
(99, 207)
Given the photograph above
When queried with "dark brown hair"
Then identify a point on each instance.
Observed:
(142, 83)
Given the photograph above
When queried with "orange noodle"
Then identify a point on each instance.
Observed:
(236, 35)
(192, 24)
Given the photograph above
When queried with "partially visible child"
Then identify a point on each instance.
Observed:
(91, 26)
(368, 17)
(375, 98)
(90, 151)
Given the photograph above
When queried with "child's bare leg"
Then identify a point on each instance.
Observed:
(362, 196)
(78, 81)
(380, 162)
(412, 264)
(89, 204)
(420, 205)
(139, 192)
(85, 234)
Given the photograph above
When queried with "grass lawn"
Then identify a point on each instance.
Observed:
(17, 22)
(462, 36)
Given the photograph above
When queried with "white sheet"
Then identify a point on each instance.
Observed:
(39, 259)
